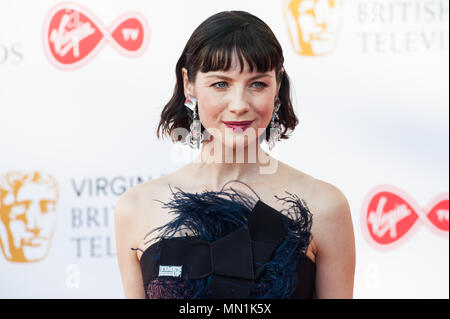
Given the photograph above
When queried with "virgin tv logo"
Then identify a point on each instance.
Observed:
(390, 216)
(73, 35)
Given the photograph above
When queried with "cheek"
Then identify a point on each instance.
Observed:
(209, 111)
(264, 113)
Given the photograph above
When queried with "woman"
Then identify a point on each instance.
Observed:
(223, 230)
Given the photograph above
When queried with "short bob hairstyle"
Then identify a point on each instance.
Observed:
(210, 48)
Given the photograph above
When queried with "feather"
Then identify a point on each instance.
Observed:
(211, 215)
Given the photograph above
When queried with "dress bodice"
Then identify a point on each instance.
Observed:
(233, 247)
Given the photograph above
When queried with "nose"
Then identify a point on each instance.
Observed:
(323, 26)
(239, 104)
(320, 13)
(33, 224)
(35, 231)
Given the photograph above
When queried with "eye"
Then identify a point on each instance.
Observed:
(219, 86)
(19, 210)
(260, 84)
(47, 206)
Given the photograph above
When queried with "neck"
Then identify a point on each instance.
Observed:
(218, 164)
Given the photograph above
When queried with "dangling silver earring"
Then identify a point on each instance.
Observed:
(194, 137)
(275, 127)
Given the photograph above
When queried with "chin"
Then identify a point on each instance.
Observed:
(238, 142)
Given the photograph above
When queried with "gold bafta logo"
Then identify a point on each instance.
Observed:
(313, 25)
(27, 215)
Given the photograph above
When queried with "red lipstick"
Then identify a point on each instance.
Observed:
(238, 125)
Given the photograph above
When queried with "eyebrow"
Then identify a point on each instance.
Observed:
(229, 79)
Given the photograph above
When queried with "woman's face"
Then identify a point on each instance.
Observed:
(233, 96)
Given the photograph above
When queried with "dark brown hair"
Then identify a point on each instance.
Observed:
(210, 48)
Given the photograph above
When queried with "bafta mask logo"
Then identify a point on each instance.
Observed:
(27, 215)
(313, 25)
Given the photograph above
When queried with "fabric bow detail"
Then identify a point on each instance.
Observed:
(235, 260)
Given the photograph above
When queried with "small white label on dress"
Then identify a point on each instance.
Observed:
(174, 271)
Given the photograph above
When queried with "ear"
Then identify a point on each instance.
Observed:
(188, 87)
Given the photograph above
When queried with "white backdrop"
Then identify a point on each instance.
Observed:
(373, 110)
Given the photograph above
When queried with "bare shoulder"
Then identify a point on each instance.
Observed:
(330, 195)
(331, 205)
(129, 224)
(322, 197)
(328, 205)
(332, 220)
(129, 202)
(326, 201)
(334, 241)
(136, 207)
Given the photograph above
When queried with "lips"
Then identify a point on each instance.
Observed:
(34, 241)
(238, 122)
(238, 125)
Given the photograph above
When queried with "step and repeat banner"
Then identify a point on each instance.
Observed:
(82, 86)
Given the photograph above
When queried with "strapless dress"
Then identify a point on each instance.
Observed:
(227, 244)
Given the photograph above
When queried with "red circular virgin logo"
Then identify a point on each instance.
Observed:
(389, 216)
(73, 35)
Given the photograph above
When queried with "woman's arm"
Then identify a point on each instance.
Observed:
(334, 238)
(125, 222)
